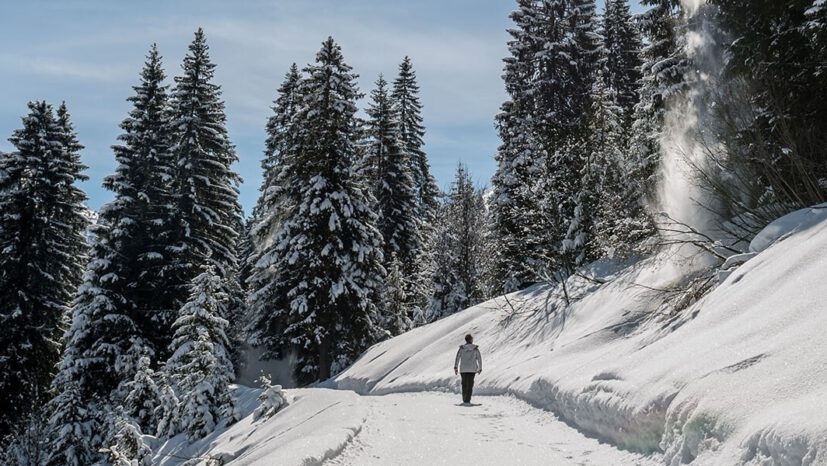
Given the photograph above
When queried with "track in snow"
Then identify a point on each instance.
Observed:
(431, 428)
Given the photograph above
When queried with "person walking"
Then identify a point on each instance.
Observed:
(467, 364)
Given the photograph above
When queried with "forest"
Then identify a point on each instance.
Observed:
(692, 124)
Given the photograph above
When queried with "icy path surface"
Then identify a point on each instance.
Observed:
(432, 428)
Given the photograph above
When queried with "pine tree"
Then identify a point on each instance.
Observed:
(72, 429)
(126, 445)
(272, 398)
(143, 228)
(513, 203)
(167, 412)
(200, 367)
(396, 318)
(389, 173)
(205, 187)
(103, 338)
(125, 304)
(622, 44)
(405, 95)
(273, 203)
(328, 256)
(142, 395)
(619, 220)
(569, 60)
(41, 236)
(461, 235)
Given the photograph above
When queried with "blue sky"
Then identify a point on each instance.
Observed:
(89, 53)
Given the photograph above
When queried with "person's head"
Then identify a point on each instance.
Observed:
(469, 338)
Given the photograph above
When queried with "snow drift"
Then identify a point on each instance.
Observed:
(736, 378)
(314, 427)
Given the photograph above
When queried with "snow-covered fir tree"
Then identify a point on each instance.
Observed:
(569, 59)
(389, 173)
(125, 304)
(125, 445)
(273, 203)
(168, 408)
(619, 219)
(622, 44)
(200, 368)
(328, 254)
(41, 236)
(27, 444)
(142, 224)
(73, 426)
(459, 274)
(405, 95)
(205, 186)
(142, 396)
(513, 203)
(272, 398)
(396, 316)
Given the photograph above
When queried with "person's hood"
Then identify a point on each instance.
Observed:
(468, 346)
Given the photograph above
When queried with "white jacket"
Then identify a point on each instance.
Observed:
(468, 358)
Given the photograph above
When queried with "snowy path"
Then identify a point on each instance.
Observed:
(431, 428)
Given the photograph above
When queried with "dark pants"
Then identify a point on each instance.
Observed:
(467, 385)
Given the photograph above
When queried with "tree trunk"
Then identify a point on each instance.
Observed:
(324, 359)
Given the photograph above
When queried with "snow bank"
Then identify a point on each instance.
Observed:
(737, 378)
(315, 426)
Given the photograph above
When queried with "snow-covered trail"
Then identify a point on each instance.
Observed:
(433, 428)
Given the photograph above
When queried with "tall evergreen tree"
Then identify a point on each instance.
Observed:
(571, 52)
(329, 252)
(205, 186)
(622, 44)
(126, 303)
(388, 170)
(619, 219)
(41, 236)
(405, 95)
(461, 234)
(273, 203)
(513, 203)
(73, 427)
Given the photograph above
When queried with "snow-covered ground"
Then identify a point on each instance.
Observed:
(316, 426)
(430, 428)
(739, 377)
(339, 427)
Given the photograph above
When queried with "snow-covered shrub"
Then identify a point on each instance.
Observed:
(272, 398)
(26, 445)
(72, 426)
(126, 445)
(167, 410)
(142, 394)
